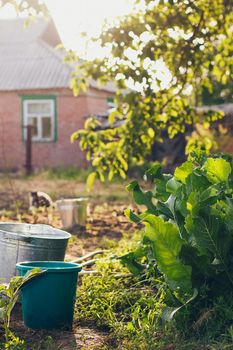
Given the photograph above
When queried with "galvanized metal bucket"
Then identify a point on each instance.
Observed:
(29, 242)
(73, 212)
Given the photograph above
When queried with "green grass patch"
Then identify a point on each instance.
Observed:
(131, 309)
(69, 173)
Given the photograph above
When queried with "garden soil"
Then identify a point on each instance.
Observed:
(106, 223)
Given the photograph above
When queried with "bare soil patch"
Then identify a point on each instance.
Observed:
(80, 338)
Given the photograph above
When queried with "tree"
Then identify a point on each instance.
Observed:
(160, 59)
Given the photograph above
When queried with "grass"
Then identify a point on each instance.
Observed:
(70, 173)
(76, 173)
(131, 309)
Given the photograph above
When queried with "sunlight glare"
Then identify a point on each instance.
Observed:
(74, 17)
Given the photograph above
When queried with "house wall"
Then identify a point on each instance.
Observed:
(71, 113)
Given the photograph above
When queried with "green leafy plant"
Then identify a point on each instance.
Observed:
(188, 225)
(8, 297)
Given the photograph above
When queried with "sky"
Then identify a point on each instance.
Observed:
(72, 17)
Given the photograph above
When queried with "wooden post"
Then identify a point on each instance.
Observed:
(29, 150)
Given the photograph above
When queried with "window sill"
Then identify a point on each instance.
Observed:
(41, 141)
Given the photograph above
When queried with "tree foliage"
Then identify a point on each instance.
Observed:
(160, 58)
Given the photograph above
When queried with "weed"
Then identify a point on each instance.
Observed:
(48, 344)
(119, 302)
(131, 309)
(8, 297)
(14, 343)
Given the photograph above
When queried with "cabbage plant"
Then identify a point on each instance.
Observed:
(187, 225)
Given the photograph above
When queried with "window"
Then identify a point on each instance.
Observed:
(40, 113)
(110, 103)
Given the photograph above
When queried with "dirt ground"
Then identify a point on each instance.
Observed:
(105, 224)
(80, 338)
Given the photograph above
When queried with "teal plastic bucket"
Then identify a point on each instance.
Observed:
(48, 300)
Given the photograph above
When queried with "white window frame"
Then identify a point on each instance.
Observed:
(39, 116)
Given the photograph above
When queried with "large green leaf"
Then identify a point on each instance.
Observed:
(201, 199)
(163, 209)
(196, 182)
(132, 216)
(167, 244)
(202, 270)
(141, 197)
(173, 185)
(130, 260)
(169, 312)
(132, 264)
(209, 235)
(181, 202)
(160, 191)
(153, 173)
(217, 169)
(182, 172)
(224, 210)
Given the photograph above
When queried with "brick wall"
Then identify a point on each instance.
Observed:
(71, 113)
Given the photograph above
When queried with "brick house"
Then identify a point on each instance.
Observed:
(34, 89)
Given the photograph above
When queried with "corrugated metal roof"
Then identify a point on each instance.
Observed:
(15, 31)
(27, 61)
